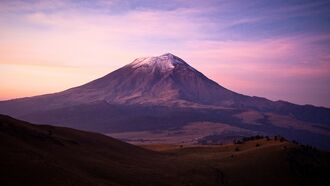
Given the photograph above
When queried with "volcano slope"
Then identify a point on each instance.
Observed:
(165, 93)
(47, 155)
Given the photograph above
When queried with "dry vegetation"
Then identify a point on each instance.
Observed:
(45, 155)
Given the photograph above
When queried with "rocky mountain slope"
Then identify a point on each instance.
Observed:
(165, 92)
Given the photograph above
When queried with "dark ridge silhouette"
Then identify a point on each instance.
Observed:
(47, 155)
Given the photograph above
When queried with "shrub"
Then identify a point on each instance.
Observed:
(237, 142)
(282, 139)
(295, 142)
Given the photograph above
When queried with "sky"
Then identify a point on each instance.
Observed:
(274, 49)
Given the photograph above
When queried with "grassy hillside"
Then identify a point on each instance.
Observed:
(256, 162)
(46, 155)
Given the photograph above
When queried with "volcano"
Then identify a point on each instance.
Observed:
(162, 80)
(166, 93)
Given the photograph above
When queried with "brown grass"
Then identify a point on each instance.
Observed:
(45, 155)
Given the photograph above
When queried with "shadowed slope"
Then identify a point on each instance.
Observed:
(45, 155)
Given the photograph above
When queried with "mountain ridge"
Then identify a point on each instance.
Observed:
(156, 64)
(149, 92)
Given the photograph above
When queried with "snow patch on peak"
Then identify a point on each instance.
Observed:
(164, 62)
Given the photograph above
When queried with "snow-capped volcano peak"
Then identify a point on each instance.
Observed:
(165, 62)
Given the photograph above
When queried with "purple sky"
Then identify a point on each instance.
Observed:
(274, 49)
